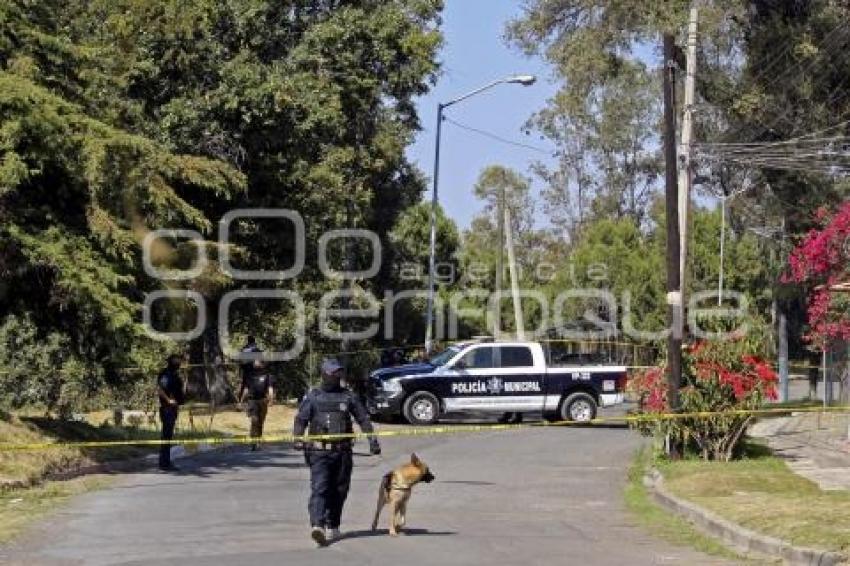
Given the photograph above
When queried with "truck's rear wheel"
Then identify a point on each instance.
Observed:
(579, 407)
(421, 408)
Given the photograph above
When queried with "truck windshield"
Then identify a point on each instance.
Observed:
(443, 357)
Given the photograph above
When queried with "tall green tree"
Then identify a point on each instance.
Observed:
(619, 257)
(80, 185)
(131, 116)
(606, 164)
(604, 118)
(537, 250)
(767, 71)
(313, 101)
(790, 82)
(409, 249)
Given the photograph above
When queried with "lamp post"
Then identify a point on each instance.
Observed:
(525, 80)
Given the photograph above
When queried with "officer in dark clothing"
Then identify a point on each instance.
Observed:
(170, 390)
(257, 389)
(328, 410)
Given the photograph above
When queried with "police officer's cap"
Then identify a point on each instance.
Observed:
(331, 366)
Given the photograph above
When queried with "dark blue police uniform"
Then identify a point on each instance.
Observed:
(329, 410)
(171, 383)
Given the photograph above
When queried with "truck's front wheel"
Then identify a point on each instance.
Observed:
(579, 407)
(421, 408)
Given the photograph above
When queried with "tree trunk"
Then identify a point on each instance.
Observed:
(220, 391)
(732, 441)
(197, 387)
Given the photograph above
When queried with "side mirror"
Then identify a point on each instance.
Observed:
(460, 364)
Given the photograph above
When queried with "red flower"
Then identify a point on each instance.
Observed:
(770, 392)
(697, 347)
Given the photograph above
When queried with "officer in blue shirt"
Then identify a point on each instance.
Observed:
(171, 393)
(328, 410)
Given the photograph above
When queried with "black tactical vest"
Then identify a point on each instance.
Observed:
(331, 413)
(258, 386)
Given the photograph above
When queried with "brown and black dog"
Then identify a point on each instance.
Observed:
(395, 491)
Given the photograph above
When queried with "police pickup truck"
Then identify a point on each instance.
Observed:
(498, 378)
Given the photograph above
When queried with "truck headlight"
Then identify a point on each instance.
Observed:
(392, 386)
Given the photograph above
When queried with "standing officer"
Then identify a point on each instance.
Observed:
(325, 411)
(170, 389)
(257, 388)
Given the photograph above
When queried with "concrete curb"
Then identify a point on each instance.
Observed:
(734, 535)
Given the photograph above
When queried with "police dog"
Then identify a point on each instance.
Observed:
(395, 491)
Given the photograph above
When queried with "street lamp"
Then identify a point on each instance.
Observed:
(524, 80)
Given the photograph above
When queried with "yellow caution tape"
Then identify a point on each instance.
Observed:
(414, 431)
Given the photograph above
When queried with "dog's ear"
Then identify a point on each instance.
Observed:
(414, 459)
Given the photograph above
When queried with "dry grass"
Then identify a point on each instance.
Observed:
(31, 467)
(763, 494)
(197, 420)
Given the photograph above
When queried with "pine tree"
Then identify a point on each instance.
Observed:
(79, 189)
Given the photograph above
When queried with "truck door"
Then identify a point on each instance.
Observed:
(523, 386)
(464, 385)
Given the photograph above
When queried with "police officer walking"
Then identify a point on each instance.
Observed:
(328, 410)
(170, 390)
(257, 389)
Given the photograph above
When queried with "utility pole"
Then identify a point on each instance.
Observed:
(500, 234)
(783, 352)
(519, 323)
(685, 170)
(432, 261)
(824, 375)
(783, 331)
(722, 248)
(674, 295)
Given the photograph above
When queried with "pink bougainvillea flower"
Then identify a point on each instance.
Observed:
(820, 260)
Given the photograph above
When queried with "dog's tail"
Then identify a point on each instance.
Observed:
(383, 496)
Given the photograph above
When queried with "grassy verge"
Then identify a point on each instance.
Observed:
(31, 467)
(199, 421)
(764, 495)
(661, 522)
(20, 507)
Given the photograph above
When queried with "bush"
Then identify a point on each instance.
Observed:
(34, 370)
(718, 376)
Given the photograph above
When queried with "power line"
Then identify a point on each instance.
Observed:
(496, 137)
(809, 152)
(823, 169)
(785, 142)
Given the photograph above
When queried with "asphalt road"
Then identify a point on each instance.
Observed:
(542, 496)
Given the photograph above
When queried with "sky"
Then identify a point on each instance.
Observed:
(475, 54)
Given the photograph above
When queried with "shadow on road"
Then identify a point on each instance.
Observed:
(211, 463)
(385, 533)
